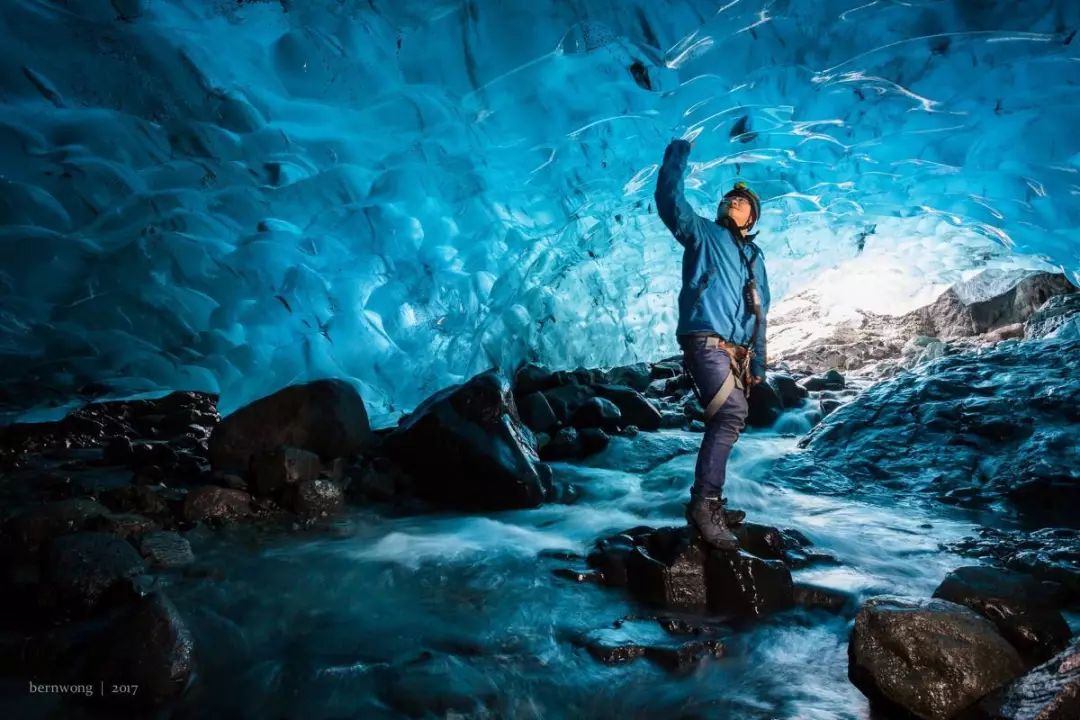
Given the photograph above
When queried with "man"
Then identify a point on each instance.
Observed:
(722, 308)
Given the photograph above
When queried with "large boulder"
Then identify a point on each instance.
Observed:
(1059, 317)
(466, 448)
(326, 417)
(1022, 608)
(1049, 692)
(89, 570)
(931, 658)
(634, 407)
(1050, 555)
(765, 406)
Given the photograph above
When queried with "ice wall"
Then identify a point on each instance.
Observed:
(234, 195)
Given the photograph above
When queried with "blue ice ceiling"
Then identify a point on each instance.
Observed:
(233, 196)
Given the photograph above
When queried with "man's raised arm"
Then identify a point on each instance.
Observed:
(670, 199)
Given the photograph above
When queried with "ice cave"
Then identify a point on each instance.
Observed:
(418, 359)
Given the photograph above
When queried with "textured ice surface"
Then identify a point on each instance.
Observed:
(233, 196)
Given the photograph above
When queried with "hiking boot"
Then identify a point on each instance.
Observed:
(732, 517)
(706, 515)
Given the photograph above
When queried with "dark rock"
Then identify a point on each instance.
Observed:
(326, 417)
(1020, 607)
(593, 440)
(672, 420)
(771, 543)
(320, 497)
(125, 525)
(791, 393)
(1049, 692)
(564, 445)
(532, 378)
(636, 376)
(142, 500)
(37, 526)
(150, 646)
(747, 586)
(578, 576)
(832, 380)
(634, 407)
(597, 412)
(536, 412)
(931, 658)
(566, 399)
(210, 502)
(378, 479)
(827, 405)
(118, 451)
(465, 447)
(165, 549)
(1050, 555)
(667, 569)
(822, 598)
(272, 470)
(630, 640)
(1057, 317)
(666, 369)
(87, 570)
(438, 686)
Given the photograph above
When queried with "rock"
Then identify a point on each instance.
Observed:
(150, 646)
(931, 658)
(632, 639)
(166, 549)
(771, 543)
(1049, 692)
(597, 412)
(1000, 421)
(38, 525)
(88, 570)
(765, 406)
(831, 380)
(379, 479)
(564, 445)
(438, 686)
(1058, 317)
(142, 500)
(1020, 607)
(125, 525)
(566, 399)
(666, 568)
(746, 586)
(593, 440)
(273, 470)
(668, 368)
(808, 595)
(636, 376)
(536, 412)
(320, 497)
(465, 447)
(210, 502)
(633, 406)
(326, 417)
(118, 450)
(791, 393)
(828, 405)
(531, 378)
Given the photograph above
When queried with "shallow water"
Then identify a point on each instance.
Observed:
(304, 626)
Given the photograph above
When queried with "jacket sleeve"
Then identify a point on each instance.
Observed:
(757, 366)
(671, 202)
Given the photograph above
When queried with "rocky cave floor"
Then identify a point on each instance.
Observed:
(154, 544)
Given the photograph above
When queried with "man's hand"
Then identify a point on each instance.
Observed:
(756, 380)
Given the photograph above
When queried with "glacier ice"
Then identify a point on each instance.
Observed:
(233, 196)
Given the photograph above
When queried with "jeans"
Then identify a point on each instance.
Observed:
(709, 367)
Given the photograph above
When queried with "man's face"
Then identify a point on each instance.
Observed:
(738, 209)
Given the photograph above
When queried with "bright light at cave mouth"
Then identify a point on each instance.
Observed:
(233, 197)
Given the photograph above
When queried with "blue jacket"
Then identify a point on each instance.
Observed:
(713, 273)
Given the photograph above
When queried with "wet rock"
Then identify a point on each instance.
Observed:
(536, 412)
(632, 639)
(1058, 317)
(577, 576)
(438, 685)
(326, 417)
(320, 497)
(1049, 692)
(931, 658)
(747, 586)
(772, 543)
(88, 570)
(636, 376)
(1020, 607)
(564, 445)
(465, 447)
(817, 597)
(118, 450)
(377, 479)
(1050, 555)
(38, 525)
(210, 502)
(765, 406)
(831, 380)
(165, 549)
(668, 368)
(124, 525)
(828, 405)
(273, 470)
(597, 412)
(566, 399)
(633, 406)
(667, 569)
(593, 440)
(142, 500)
(531, 378)
(150, 646)
(791, 393)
